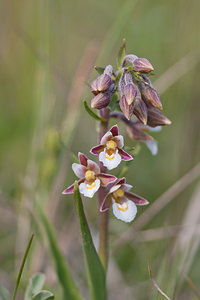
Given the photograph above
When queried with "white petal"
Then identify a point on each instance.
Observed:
(89, 190)
(110, 161)
(154, 129)
(153, 146)
(128, 214)
(106, 137)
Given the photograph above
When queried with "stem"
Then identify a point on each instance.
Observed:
(103, 216)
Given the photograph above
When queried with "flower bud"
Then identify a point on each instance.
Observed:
(151, 97)
(140, 110)
(156, 118)
(125, 107)
(100, 101)
(129, 58)
(130, 92)
(109, 70)
(142, 65)
(139, 135)
(101, 84)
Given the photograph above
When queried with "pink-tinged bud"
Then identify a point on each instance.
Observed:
(101, 84)
(140, 110)
(157, 118)
(129, 59)
(100, 101)
(142, 65)
(151, 97)
(138, 135)
(130, 92)
(125, 107)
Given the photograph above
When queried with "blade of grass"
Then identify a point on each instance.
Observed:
(95, 271)
(22, 267)
(156, 286)
(70, 290)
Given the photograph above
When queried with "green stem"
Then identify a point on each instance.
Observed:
(22, 267)
(103, 216)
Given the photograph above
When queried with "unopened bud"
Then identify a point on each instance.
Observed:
(130, 92)
(139, 135)
(140, 110)
(101, 84)
(142, 65)
(108, 70)
(129, 59)
(156, 118)
(151, 97)
(100, 101)
(125, 107)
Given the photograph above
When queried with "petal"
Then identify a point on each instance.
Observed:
(93, 166)
(126, 187)
(114, 130)
(107, 136)
(97, 149)
(110, 161)
(106, 179)
(79, 170)
(125, 155)
(114, 188)
(136, 199)
(83, 159)
(126, 215)
(152, 146)
(106, 203)
(70, 189)
(88, 190)
(119, 139)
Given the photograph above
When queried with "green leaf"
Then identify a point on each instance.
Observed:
(91, 113)
(95, 271)
(100, 70)
(43, 295)
(69, 288)
(121, 53)
(34, 286)
(4, 293)
(22, 267)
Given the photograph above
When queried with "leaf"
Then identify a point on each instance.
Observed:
(91, 113)
(156, 286)
(34, 286)
(100, 70)
(4, 293)
(22, 267)
(121, 53)
(95, 271)
(43, 295)
(69, 288)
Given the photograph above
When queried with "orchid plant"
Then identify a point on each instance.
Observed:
(128, 96)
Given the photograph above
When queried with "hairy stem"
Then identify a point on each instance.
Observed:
(103, 216)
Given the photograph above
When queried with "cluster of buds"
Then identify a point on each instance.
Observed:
(91, 179)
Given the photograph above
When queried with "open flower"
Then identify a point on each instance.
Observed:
(110, 149)
(123, 202)
(90, 177)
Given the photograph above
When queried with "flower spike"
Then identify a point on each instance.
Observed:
(110, 149)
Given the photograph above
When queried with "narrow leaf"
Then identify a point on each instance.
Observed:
(156, 286)
(121, 53)
(100, 70)
(22, 267)
(91, 113)
(95, 271)
(43, 295)
(4, 293)
(69, 288)
(34, 286)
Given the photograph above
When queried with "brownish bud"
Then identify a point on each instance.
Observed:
(139, 135)
(140, 110)
(130, 92)
(101, 84)
(142, 65)
(157, 118)
(151, 97)
(100, 101)
(125, 107)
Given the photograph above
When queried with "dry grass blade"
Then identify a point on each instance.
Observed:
(193, 287)
(156, 286)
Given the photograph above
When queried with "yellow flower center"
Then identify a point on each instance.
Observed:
(119, 193)
(123, 206)
(90, 176)
(110, 149)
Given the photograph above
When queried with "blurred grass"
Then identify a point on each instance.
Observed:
(42, 44)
